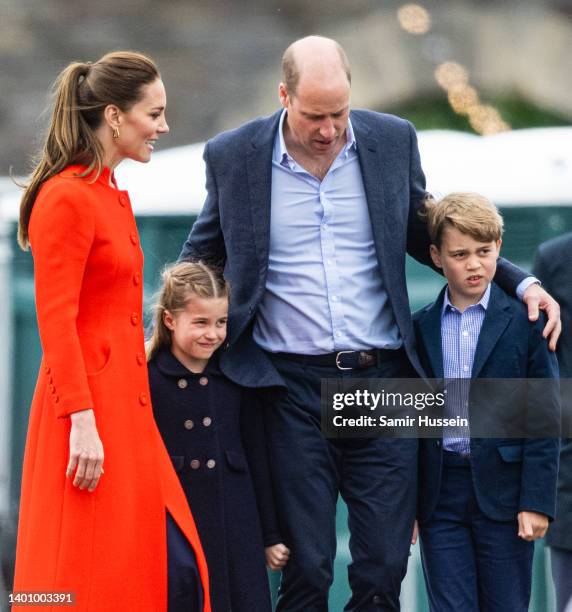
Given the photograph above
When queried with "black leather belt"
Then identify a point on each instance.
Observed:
(345, 360)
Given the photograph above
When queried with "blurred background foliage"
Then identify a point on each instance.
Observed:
(433, 112)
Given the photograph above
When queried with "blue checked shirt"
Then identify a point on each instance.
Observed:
(459, 335)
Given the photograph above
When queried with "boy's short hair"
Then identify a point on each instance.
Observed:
(470, 213)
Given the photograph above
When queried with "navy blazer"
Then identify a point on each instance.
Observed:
(233, 229)
(510, 475)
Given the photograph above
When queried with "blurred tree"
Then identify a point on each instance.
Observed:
(433, 112)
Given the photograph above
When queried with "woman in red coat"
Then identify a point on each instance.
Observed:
(102, 513)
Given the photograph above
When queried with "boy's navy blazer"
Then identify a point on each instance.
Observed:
(233, 228)
(510, 475)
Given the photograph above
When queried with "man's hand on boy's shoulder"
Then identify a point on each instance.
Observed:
(532, 525)
(536, 299)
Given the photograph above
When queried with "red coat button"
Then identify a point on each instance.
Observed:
(137, 279)
(122, 200)
(140, 358)
(134, 318)
(143, 399)
(133, 237)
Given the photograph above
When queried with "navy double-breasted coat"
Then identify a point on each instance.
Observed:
(215, 437)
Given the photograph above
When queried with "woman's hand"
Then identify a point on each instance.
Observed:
(86, 451)
(276, 556)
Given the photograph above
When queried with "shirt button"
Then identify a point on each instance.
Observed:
(207, 421)
(466, 368)
(465, 333)
(143, 399)
(140, 358)
(330, 262)
(182, 383)
(338, 334)
(203, 380)
(211, 463)
(137, 279)
(134, 318)
(133, 237)
(189, 424)
(335, 298)
(195, 464)
(122, 200)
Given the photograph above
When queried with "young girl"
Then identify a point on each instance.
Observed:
(214, 433)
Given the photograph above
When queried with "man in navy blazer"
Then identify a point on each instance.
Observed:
(482, 500)
(311, 211)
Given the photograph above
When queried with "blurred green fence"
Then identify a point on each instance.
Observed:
(162, 238)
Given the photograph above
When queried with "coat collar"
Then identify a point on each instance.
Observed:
(430, 327)
(259, 171)
(169, 365)
(497, 318)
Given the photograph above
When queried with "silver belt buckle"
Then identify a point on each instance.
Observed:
(338, 360)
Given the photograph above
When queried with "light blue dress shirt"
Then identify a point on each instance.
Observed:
(324, 291)
(459, 336)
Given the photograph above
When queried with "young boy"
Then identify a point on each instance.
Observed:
(482, 502)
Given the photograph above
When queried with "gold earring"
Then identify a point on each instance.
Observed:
(116, 133)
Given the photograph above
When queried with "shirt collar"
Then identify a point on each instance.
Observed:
(483, 302)
(281, 152)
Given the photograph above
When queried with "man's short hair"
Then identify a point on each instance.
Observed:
(291, 71)
(470, 213)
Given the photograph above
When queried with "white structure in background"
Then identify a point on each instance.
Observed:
(520, 167)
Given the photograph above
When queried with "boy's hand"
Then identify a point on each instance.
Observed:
(535, 297)
(532, 525)
(415, 533)
(276, 556)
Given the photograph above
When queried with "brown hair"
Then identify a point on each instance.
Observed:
(291, 71)
(182, 281)
(81, 93)
(470, 213)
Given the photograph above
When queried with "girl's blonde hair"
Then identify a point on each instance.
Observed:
(81, 93)
(181, 282)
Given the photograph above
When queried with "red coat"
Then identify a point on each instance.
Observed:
(108, 547)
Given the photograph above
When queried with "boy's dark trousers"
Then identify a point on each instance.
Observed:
(472, 563)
